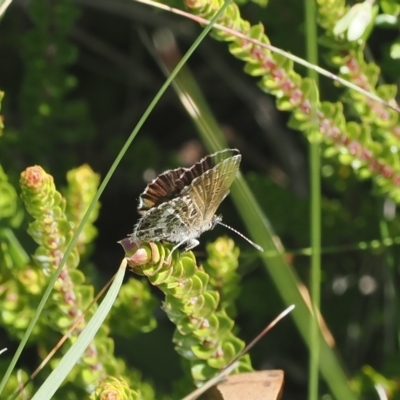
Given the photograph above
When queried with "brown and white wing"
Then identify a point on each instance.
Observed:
(162, 189)
(165, 222)
(214, 178)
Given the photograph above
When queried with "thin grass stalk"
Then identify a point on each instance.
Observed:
(372, 245)
(390, 312)
(315, 221)
(102, 186)
(3, 7)
(315, 206)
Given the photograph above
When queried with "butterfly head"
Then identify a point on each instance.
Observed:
(216, 219)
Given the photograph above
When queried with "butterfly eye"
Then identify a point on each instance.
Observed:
(211, 225)
(216, 220)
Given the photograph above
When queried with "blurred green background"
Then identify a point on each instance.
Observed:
(77, 77)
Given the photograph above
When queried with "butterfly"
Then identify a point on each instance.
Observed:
(180, 204)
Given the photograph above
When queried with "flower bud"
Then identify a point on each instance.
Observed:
(355, 21)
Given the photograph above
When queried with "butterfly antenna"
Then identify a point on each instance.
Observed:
(240, 234)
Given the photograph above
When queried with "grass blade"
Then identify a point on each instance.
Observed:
(56, 378)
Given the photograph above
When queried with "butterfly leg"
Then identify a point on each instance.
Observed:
(173, 249)
(190, 245)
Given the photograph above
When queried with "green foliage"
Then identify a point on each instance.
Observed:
(51, 119)
(22, 283)
(221, 265)
(14, 382)
(1, 117)
(82, 187)
(50, 229)
(9, 201)
(203, 334)
(357, 132)
(132, 310)
(366, 382)
(363, 151)
(48, 124)
(115, 389)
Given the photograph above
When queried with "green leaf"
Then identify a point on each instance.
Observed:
(395, 50)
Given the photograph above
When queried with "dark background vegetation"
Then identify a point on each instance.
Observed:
(107, 78)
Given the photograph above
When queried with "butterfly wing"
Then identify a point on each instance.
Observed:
(180, 204)
(167, 222)
(212, 183)
(162, 189)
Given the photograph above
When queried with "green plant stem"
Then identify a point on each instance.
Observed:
(391, 314)
(103, 185)
(315, 211)
(315, 221)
